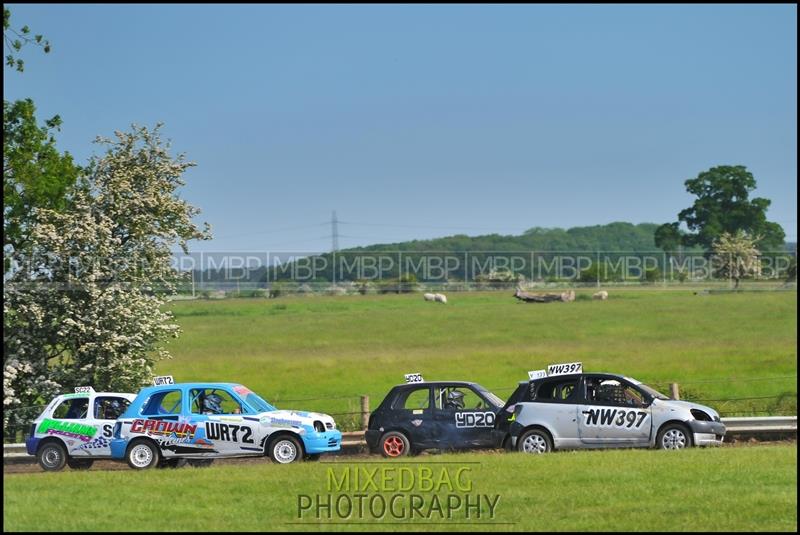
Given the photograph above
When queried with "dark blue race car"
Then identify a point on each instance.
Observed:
(444, 415)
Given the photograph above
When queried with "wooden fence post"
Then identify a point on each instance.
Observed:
(673, 391)
(364, 412)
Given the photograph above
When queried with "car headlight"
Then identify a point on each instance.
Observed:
(700, 416)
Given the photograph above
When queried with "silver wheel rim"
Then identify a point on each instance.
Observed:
(141, 456)
(674, 439)
(284, 451)
(534, 444)
(51, 457)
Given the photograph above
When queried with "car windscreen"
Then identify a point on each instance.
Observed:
(257, 403)
(494, 400)
(651, 391)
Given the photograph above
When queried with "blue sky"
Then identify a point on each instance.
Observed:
(422, 121)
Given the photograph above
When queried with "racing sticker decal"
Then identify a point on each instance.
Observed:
(99, 442)
(416, 423)
(229, 432)
(561, 369)
(615, 418)
(242, 390)
(164, 428)
(474, 419)
(163, 380)
(281, 422)
(81, 432)
(76, 395)
(414, 378)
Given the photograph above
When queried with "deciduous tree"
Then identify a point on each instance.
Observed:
(722, 204)
(736, 256)
(83, 304)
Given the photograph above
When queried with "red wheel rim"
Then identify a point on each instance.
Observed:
(393, 446)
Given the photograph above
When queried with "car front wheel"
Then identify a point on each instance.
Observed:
(142, 455)
(285, 450)
(534, 441)
(52, 457)
(674, 437)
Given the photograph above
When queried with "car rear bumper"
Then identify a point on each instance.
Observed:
(322, 442)
(31, 445)
(372, 436)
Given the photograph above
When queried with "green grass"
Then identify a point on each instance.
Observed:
(333, 349)
(739, 489)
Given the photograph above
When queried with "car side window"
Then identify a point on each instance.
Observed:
(72, 409)
(109, 407)
(602, 391)
(413, 399)
(163, 403)
(417, 399)
(457, 398)
(214, 401)
(559, 390)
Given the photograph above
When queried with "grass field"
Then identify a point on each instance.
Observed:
(320, 353)
(751, 488)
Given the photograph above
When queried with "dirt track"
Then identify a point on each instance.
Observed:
(33, 468)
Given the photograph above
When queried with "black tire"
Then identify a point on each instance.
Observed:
(534, 441)
(171, 463)
(142, 455)
(52, 456)
(394, 444)
(79, 464)
(285, 449)
(200, 463)
(507, 444)
(674, 437)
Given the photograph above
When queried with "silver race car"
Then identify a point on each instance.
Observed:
(565, 408)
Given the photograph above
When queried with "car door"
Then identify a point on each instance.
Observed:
(72, 424)
(555, 403)
(614, 412)
(226, 423)
(464, 418)
(165, 419)
(105, 411)
(412, 411)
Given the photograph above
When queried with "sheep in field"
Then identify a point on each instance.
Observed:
(441, 298)
(429, 297)
(601, 295)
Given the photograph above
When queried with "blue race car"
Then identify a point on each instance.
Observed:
(200, 422)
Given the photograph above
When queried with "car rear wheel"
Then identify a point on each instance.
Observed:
(285, 449)
(674, 437)
(79, 464)
(52, 456)
(534, 441)
(395, 444)
(142, 455)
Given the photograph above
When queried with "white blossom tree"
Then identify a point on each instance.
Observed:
(83, 304)
(736, 255)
